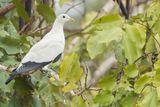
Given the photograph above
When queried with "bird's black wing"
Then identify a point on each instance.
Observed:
(24, 68)
(29, 66)
(57, 58)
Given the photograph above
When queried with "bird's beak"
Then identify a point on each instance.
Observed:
(72, 20)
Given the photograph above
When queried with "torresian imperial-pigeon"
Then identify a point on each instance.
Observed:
(48, 49)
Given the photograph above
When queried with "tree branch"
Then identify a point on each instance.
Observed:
(5, 69)
(73, 6)
(101, 70)
(123, 9)
(23, 28)
(87, 26)
(139, 2)
(6, 9)
(128, 6)
(51, 72)
(38, 29)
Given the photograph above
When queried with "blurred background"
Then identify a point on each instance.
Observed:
(111, 57)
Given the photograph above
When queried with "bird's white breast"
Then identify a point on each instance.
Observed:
(46, 49)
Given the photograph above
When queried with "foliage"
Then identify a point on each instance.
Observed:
(133, 82)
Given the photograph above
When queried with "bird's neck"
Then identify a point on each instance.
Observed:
(57, 27)
(56, 32)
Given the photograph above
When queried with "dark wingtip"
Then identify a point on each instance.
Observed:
(9, 79)
(7, 82)
(12, 76)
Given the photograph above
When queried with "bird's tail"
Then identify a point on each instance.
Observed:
(12, 76)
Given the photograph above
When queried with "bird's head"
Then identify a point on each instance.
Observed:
(64, 18)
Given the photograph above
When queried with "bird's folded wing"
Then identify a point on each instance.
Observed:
(44, 51)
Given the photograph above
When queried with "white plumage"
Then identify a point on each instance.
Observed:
(48, 49)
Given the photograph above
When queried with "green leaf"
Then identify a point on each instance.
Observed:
(153, 13)
(141, 82)
(119, 52)
(3, 78)
(133, 42)
(109, 32)
(150, 98)
(1, 54)
(43, 85)
(129, 100)
(10, 60)
(4, 2)
(10, 28)
(46, 12)
(22, 86)
(157, 42)
(104, 98)
(3, 33)
(77, 101)
(10, 44)
(70, 70)
(158, 92)
(69, 87)
(120, 93)
(157, 66)
(107, 19)
(14, 102)
(156, 27)
(150, 46)
(124, 83)
(107, 83)
(11, 40)
(131, 70)
(21, 10)
(36, 101)
(4, 104)
(93, 47)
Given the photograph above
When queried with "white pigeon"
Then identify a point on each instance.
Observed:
(48, 49)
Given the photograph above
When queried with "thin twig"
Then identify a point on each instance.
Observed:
(83, 90)
(120, 74)
(40, 23)
(24, 28)
(150, 31)
(86, 69)
(3, 68)
(144, 55)
(95, 89)
(139, 58)
(51, 72)
(39, 29)
(102, 69)
(85, 98)
(156, 40)
(146, 85)
(87, 26)
(139, 2)
(73, 6)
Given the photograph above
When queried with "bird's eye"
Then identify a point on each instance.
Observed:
(63, 16)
